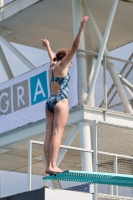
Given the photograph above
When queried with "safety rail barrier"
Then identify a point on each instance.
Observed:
(109, 154)
(113, 89)
(4, 3)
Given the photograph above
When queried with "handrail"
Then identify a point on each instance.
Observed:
(88, 151)
(96, 54)
(6, 4)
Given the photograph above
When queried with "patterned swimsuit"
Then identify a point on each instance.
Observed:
(62, 94)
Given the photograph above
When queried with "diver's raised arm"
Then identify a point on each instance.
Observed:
(67, 59)
(46, 44)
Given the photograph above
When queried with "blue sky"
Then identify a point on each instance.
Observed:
(38, 57)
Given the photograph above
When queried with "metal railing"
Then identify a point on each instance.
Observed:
(5, 3)
(117, 159)
(100, 192)
(107, 94)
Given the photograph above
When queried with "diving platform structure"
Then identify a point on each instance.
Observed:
(102, 120)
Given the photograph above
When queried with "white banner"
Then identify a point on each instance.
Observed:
(22, 99)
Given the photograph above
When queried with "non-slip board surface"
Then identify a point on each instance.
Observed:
(93, 177)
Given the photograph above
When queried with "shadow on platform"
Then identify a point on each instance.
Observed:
(50, 194)
(30, 195)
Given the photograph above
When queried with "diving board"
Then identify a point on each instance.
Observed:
(92, 177)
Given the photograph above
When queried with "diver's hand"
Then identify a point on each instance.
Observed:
(45, 42)
(83, 21)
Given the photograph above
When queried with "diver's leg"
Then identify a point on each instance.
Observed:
(61, 111)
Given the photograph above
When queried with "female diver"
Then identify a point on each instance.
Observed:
(57, 109)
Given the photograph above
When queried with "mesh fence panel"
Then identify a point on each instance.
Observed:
(71, 160)
(37, 165)
(108, 197)
(114, 156)
(115, 140)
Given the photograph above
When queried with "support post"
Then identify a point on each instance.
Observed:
(0, 185)
(1, 9)
(17, 53)
(81, 57)
(111, 189)
(105, 89)
(5, 64)
(105, 84)
(29, 164)
(85, 142)
(95, 145)
(90, 71)
(95, 155)
(1, 3)
(116, 171)
(110, 65)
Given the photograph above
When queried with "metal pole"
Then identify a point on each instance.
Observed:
(81, 57)
(120, 89)
(126, 82)
(85, 142)
(95, 155)
(111, 187)
(17, 53)
(5, 64)
(103, 45)
(1, 3)
(0, 185)
(116, 171)
(90, 71)
(105, 85)
(29, 164)
(93, 24)
(1, 9)
(105, 89)
(110, 65)
(77, 15)
(130, 92)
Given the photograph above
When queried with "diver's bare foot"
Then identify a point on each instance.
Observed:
(47, 170)
(52, 170)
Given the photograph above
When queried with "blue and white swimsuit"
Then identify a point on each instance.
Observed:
(62, 94)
